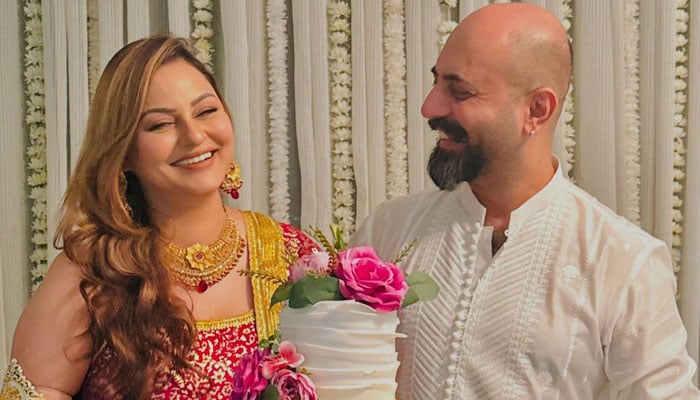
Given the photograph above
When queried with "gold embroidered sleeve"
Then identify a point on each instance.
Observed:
(16, 386)
(266, 254)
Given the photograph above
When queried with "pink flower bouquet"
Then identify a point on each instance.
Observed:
(355, 273)
(349, 342)
(272, 372)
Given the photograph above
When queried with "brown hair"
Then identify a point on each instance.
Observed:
(106, 229)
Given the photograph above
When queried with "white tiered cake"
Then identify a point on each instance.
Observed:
(349, 348)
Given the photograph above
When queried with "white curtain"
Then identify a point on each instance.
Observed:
(625, 115)
(14, 262)
(689, 279)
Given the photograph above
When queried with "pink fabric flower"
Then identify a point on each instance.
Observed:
(314, 263)
(364, 277)
(248, 381)
(293, 385)
(287, 356)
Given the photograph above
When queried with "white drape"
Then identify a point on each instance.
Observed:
(605, 93)
(368, 105)
(240, 52)
(422, 18)
(311, 110)
(14, 246)
(689, 279)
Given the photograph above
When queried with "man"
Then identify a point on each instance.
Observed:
(545, 293)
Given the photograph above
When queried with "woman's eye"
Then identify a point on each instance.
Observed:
(157, 126)
(207, 111)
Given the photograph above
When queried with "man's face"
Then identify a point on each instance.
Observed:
(472, 108)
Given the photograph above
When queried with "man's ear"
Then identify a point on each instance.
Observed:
(542, 104)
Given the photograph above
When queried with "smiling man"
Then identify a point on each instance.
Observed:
(545, 292)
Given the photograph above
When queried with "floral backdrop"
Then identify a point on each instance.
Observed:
(328, 129)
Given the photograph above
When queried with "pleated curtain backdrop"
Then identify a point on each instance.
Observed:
(326, 96)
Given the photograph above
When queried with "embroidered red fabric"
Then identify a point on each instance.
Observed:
(217, 352)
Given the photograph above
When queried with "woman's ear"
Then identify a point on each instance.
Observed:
(126, 164)
(543, 103)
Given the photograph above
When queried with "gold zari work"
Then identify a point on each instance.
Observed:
(200, 266)
(16, 386)
(217, 324)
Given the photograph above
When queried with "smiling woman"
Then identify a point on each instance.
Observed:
(142, 301)
(184, 140)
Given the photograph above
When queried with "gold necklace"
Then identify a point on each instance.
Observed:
(200, 266)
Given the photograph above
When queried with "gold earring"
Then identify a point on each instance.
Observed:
(232, 181)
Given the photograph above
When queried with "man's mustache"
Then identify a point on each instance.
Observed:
(451, 128)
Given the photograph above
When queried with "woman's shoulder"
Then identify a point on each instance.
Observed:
(48, 342)
(295, 240)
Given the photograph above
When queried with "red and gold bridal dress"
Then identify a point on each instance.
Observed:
(220, 343)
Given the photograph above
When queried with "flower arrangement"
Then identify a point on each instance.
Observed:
(355, 273)
(338, 272)
(272, 372)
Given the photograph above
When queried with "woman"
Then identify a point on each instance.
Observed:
(142, 302)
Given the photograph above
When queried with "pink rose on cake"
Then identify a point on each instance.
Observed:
(355, 273)
(310, 264)
(364, 277)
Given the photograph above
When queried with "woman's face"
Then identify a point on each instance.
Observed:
(184, 137)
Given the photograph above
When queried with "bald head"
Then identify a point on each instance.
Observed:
(527, 42)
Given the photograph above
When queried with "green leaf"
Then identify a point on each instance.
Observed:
(297, 296)
(282, 293)
(337, 233)
(325, 288)
(271, 341)
(411, 297)
(270, 393)
(422, 287)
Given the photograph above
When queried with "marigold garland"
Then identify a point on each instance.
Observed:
(340, 68)
(448, 23)
(395, 99)
(202, 32)
(93, 51)
(278, 110)
(35, 119)
(633, 169)
(567, 113)
(680, 131)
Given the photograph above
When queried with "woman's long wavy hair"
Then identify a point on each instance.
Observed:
(106, 229)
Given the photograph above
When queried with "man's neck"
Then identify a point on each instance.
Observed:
(500, 194)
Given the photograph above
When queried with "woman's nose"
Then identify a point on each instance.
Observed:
(191, 133)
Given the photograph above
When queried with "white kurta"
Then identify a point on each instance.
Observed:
(577, 304)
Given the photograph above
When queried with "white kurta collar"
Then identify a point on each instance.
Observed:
(470, 204)
(539, 201)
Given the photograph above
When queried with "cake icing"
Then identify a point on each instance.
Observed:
(348, 347)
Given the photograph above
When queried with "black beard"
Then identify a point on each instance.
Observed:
(447, 168)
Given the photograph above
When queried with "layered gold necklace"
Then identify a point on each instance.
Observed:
(200, 266)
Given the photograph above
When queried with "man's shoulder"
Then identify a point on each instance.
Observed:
(409, 201)
(615, 226)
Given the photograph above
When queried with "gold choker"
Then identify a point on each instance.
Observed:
(200, 266)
